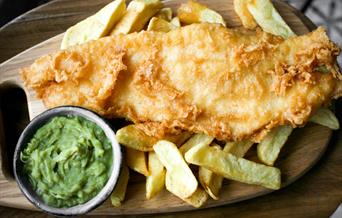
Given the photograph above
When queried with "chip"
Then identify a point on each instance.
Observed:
(238, 149)
(240, 7)
(138, 14)
(96, 26)
(175, 21)
(269, 148)
(155, 182)
(179, 178)
(136, 160)
(234, 168)
(198, 198)
(160, 25)
(212, 182)
(325, 117)
(197, 139)
(119, 192)
(165, 14)
(194, 12)
(268, 18)
(133, 137)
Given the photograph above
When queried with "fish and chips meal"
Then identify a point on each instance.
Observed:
(196, 91)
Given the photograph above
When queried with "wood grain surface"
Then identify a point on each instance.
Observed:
(317, 196)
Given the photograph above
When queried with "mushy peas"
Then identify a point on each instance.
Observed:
(68, 161)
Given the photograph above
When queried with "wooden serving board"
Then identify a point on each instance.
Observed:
(303, 149)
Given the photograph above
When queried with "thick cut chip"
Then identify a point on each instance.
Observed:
(156, 180)
(269, 148)
(119, 192)
(165, 14)
(94, 26)
(194, 12)
(197, 139)
(212, 182)
(238, 149)
(160, 25)
(179, 178)
(136, 160)
(138, 14)
(247, 20)
(198, 198)
(268, 18)
(175, 21)
(132, 137)
(235, 168)
(325, 117)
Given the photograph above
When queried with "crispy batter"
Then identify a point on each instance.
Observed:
(233, 84)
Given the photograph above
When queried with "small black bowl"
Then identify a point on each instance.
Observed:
(27, 135)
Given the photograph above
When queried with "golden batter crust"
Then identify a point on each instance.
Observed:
(232, 84)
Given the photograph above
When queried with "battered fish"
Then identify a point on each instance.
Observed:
(232, 84)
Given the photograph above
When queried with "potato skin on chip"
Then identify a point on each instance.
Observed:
(235, 168)
(212, 182)
(198, 198)
(268, 18)
(325, 117)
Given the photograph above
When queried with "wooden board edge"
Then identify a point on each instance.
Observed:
(186, 207)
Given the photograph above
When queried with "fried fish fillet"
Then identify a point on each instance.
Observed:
(232, 84)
